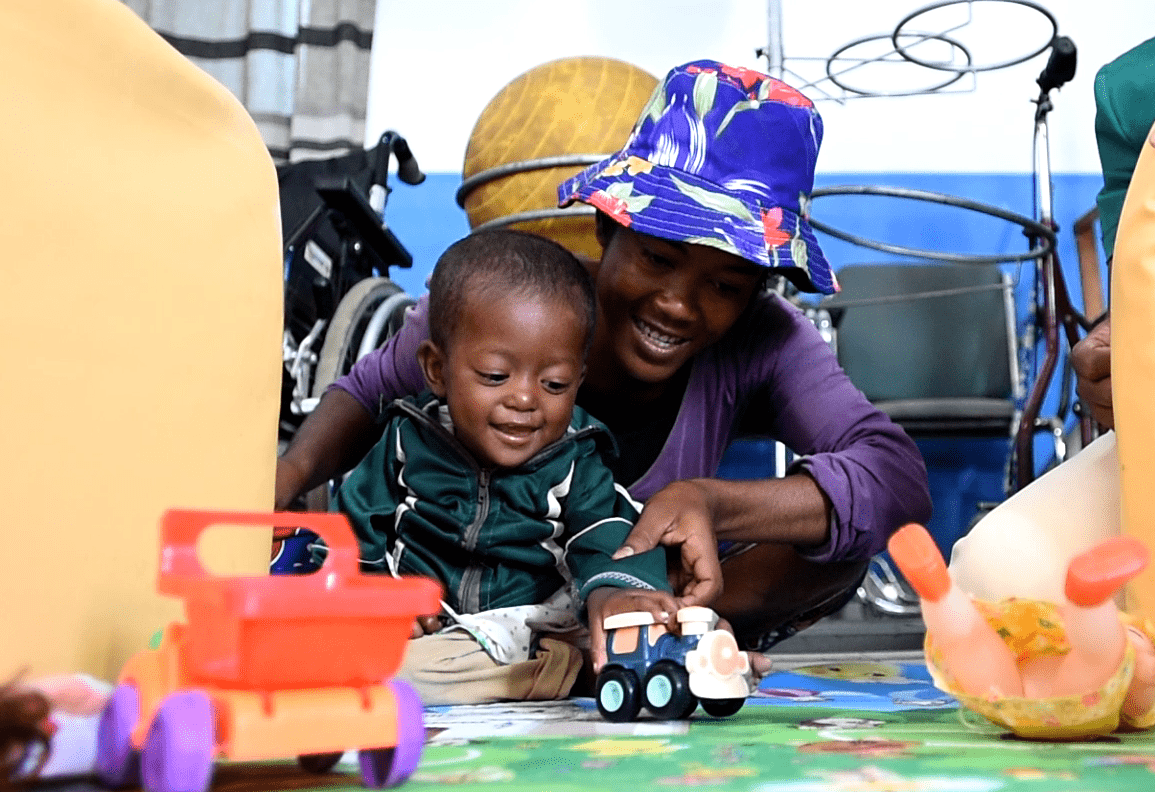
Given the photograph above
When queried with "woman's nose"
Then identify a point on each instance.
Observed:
(679, 299)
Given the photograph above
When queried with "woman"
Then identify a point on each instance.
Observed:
(707, 199)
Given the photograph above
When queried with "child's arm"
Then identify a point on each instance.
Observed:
(598, 515)
(369, 498)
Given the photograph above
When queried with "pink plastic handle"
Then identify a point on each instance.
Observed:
(180, 529)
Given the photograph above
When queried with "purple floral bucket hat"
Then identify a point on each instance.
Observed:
(721, 156)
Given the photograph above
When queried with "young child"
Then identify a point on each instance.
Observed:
(493, 482)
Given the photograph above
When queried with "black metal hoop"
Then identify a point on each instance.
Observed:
(575, 210)
(510, 168)
(834, 78)
(1033, 228)
(972, 68)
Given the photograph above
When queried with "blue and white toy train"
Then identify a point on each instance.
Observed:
(670, 674)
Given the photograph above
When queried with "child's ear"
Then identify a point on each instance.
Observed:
(432, 362)
(582, 376)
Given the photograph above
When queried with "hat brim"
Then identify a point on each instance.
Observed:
(682, 207)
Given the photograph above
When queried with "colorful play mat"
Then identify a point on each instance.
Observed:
(833, 727)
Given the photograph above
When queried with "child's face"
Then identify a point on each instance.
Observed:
(510, 376)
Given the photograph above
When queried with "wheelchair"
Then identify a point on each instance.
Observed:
(339, 301)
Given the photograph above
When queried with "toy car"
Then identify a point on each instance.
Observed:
(268, 667)
(668, 673)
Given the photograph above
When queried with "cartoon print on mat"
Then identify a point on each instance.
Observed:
(789, 694)
(890, 749)
(697, 776)
(841, 722)
(882, 673)
(628, 747)
(857, 685)
(868, 777)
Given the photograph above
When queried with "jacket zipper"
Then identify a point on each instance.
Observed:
(469, 590)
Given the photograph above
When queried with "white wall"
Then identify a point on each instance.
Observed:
(437, 64)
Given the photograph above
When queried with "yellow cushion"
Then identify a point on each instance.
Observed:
(141, 313)
(1133, 366)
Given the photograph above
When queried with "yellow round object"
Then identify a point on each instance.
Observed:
(585, 105)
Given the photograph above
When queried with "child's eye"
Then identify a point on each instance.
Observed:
(725, 288)
(554, 386)
(492, 377)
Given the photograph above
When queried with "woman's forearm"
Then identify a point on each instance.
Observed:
(791, 510)
(334, 437)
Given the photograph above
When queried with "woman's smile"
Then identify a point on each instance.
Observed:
(656, 338)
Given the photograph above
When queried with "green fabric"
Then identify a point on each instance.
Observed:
(1124, 113)
(495, 538)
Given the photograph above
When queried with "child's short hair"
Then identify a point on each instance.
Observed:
(501, 262)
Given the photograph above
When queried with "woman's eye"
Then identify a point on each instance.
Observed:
(726, 288)
(656, 259)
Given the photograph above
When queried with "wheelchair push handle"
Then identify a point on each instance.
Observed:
(1060, 68)
(408, 171)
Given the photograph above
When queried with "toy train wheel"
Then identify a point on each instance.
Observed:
(177, 755)
(667, 691)
(618, 697)
(318, 762)
(117, 762)
(722, 708)
(388, 767)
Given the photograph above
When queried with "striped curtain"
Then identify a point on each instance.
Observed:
(300, 67)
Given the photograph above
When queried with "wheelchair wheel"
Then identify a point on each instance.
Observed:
(357, 314)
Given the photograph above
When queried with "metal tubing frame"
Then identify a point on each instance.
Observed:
(1056, 308)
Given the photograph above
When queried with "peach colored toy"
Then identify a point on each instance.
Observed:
(268, 667)
(1044, 670)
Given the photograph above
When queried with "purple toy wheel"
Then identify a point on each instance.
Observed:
(388, 767)
(178, 752)
(117, 762)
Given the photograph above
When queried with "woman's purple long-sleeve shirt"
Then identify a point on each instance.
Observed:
(772, 375)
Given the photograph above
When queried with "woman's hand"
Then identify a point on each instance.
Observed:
(1091, 359)
(607, 601)
(681, 515)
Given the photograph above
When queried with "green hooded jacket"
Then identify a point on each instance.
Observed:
(420, 504)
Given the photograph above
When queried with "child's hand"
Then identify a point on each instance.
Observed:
(425, 625)
(607, 601)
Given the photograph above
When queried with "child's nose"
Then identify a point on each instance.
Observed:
(522, 395)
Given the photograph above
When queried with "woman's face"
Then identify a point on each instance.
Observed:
(661, 302)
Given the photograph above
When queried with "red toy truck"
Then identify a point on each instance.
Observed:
(268, 666)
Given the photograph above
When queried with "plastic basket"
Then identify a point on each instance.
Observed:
(334, 627)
